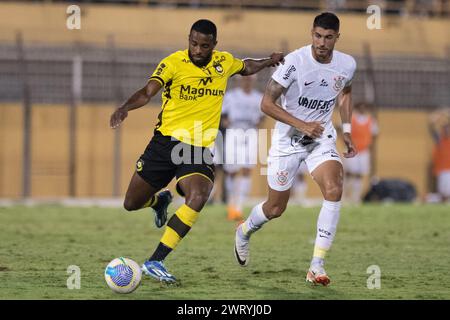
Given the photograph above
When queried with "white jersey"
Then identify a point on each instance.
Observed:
(243, 110)
(311, 95)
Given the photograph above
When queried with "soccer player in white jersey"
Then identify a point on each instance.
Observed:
(241, 116)
(310, 83)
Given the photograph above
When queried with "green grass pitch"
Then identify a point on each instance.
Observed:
(409, 243)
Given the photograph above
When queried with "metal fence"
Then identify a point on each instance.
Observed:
(110, 74)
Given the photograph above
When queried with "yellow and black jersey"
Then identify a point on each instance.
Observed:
(192, 96)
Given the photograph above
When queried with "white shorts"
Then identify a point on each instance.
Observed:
(303, 169)
(443, 183)
(282, 170)
(240, 153)
(359, 164)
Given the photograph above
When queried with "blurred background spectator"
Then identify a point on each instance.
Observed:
(440, 131)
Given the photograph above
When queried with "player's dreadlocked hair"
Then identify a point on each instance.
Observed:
(206, 27)
(327, 20)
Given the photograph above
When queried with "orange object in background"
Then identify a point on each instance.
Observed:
(234, 214)
(441, 155)
(362, 133)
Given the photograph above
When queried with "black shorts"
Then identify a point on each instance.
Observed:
(166, 158)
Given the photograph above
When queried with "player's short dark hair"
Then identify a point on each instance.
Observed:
(327, 20)
(206, 27)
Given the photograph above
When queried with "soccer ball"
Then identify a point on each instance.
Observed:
(123, 275)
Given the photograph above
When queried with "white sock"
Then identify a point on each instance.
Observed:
(229, 185)
(326, 229)
(235, 192)
(243, 189)
(255, 221)
(357, 184)
(300, 190)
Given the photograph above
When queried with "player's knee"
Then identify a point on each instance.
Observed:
(130, 205)
(273, 211)
(333, 192)
(197, 199)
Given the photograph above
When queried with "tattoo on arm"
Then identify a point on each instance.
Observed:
(346, 105)
(274, 90)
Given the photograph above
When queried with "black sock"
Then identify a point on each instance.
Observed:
(161, 252)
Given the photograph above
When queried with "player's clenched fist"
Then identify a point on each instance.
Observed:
(312, 129)
(117, 117)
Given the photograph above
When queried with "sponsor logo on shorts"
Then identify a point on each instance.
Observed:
(282, 177)
(332, 153)
(139, 165)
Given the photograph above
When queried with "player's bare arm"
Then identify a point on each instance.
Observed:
(270, 107)
(253, 66)
(346, 117)
(137, 100)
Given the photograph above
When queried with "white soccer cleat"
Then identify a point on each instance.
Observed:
(241, 247)
(317, 275)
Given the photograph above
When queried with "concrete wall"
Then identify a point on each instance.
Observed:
(404, 149)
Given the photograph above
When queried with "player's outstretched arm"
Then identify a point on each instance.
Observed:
(346, 117)
(270, 107)
(253, 66)
(137, 100)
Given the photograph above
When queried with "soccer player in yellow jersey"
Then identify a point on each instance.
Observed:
(194, 83)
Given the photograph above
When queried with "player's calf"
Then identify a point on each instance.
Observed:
(273, 210)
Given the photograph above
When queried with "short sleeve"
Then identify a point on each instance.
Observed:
(287, 72)
(237, 66)
(352, 70)
(163, 72)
